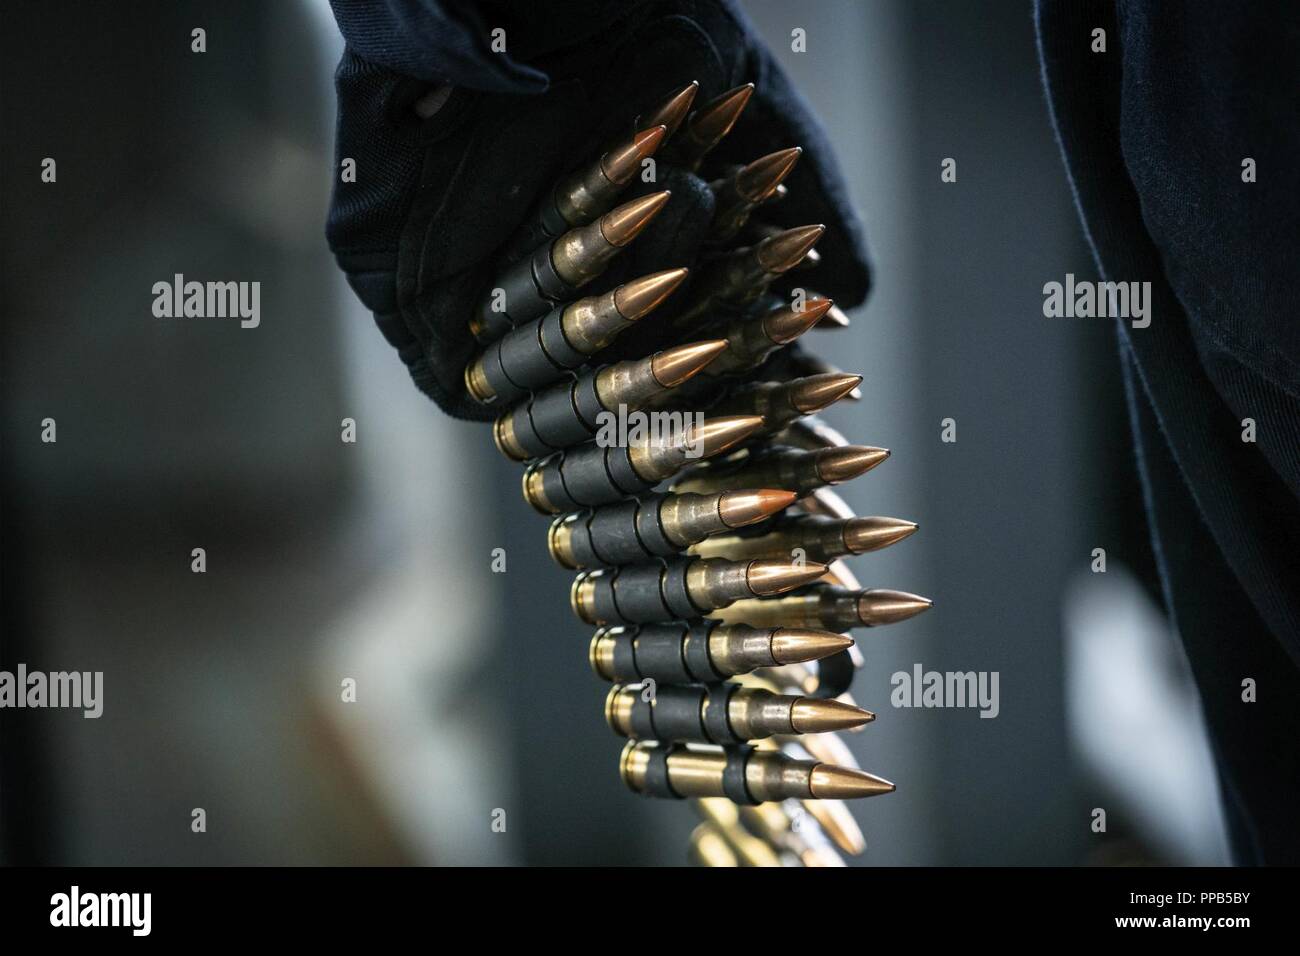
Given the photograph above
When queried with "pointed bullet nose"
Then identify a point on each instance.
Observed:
(872, 534)
(716, 435)
(831, 748)
(673, 366)
(795, 645)
(841, 783)
(648, 140)
(787, 323)
(839, 825)
(810, 715)
(714, 119)
(621, 163)
(836, 465)
(759, 179)
(883, 606)
(672, 110)
(834, 317)
(783, 252)
(620, 226)
(740, 508)
(815, 392)
(768, 576)
(640, 296)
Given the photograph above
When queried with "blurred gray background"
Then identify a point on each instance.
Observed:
(372, 561)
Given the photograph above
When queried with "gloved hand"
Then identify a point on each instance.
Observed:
(454, 142)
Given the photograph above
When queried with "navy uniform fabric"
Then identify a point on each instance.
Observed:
(1154, 132)
(434, 198)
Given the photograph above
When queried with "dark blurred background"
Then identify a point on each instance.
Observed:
(372, 560)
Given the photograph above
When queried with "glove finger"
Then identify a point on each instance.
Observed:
(474, 190)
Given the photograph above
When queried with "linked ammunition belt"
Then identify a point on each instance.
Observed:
(711, 554)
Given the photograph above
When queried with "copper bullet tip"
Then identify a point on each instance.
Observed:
(810, 715)
(839, 825)
(787, 324)
(768, 576)
(716, 435)
(672, 110)
(740, 508)
(650, 137)
(782, 252)
(831, 748)
(621, 163)
(883, 606)
(836, 465)
(815, 392)
(673, 366)
(640, 296)
(872, 534)
(841, 783)
(714, 119)
(759, 179)
(795, 645)
(620, 226)
(835, 317)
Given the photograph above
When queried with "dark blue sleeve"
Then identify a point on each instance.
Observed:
(1154, 132)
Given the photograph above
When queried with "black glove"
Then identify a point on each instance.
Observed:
(434, 199)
